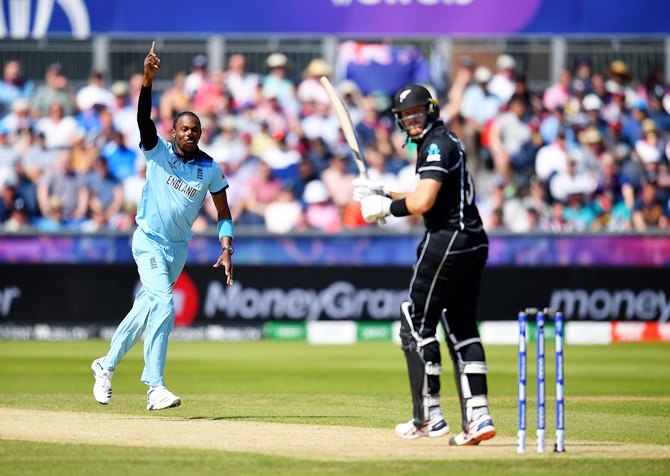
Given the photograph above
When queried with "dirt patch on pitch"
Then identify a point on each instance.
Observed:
(311, 442)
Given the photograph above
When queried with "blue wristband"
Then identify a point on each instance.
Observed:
(225, 228)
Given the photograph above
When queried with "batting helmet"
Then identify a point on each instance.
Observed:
(411, 96)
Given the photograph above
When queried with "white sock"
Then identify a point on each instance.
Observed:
(435, 413)
(479, 412)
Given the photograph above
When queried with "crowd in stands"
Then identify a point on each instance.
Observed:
(590, 153)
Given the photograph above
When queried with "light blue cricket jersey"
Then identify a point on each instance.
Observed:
(174, 191)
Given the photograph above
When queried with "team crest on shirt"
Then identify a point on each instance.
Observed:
(433, 153)
(200, 176)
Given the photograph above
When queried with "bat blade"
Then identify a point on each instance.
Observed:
(347, 127)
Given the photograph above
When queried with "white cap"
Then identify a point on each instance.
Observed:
(505, 62)
(315, 192)
(482, 75)
(591, 102)
(277, 60)
(347, 87)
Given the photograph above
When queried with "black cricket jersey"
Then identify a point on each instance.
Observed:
(441, 157)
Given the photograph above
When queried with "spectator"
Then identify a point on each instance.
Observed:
(569, 182)
(53, 219)
(649, 148)
(55, 89)
(263, 190)
(503, 83)
(306, 173)
(37, 158)
(614, 109)
(228, 147)
(270, 110)
(178, 96)
(352, 97)
(282, 159)
(509, 132)
(599, 88)
(580, 214)
(649, 212)
(552, 158)
(591, 148)
(558, 94)
(7, 196)
(310, 90)
(319, 154)
(59, 130)
(478, 108)
(18, 219)
(550, 125)
(14, 86)
(370, 120)
(105, 192)
(134, 185)
(537, 201)
(338, 181)
(120, 160)
(242, 85)
(615, 143)
(592, 105)
(320, 212)
(124, 114)
(620, 78)
(125, 221)
(525, 163)
(212, 98)
(615, 197)
(277, 84)
(18, 122)
(656, 110)
(583, 74)
(94, 93)
(285, 213)
(61, 183)
(9, 156)
(321, 123)
(26, 189)
(196, 78)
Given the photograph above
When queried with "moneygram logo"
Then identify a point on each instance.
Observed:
(339, 301)
(607, 305)
(16, 17)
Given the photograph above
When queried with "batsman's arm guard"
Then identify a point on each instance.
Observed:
(417, 367)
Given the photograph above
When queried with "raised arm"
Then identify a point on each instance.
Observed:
(148, 133)
(455, 98)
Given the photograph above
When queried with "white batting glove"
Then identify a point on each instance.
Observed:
(375, 207)
(364, 187)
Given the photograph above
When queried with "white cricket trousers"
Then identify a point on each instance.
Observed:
(159, 264)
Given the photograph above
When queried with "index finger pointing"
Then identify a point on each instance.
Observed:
(153, 47)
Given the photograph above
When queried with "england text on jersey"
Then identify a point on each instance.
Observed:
(180, 186)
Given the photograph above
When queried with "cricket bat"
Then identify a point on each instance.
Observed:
(347, 129)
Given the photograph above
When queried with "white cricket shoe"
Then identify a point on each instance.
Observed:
(159, 398)
(479, 430)
(432, 429)
(102, 389)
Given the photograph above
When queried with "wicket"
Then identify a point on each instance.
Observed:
(541, 393)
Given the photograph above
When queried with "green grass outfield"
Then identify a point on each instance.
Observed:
(293, 408)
